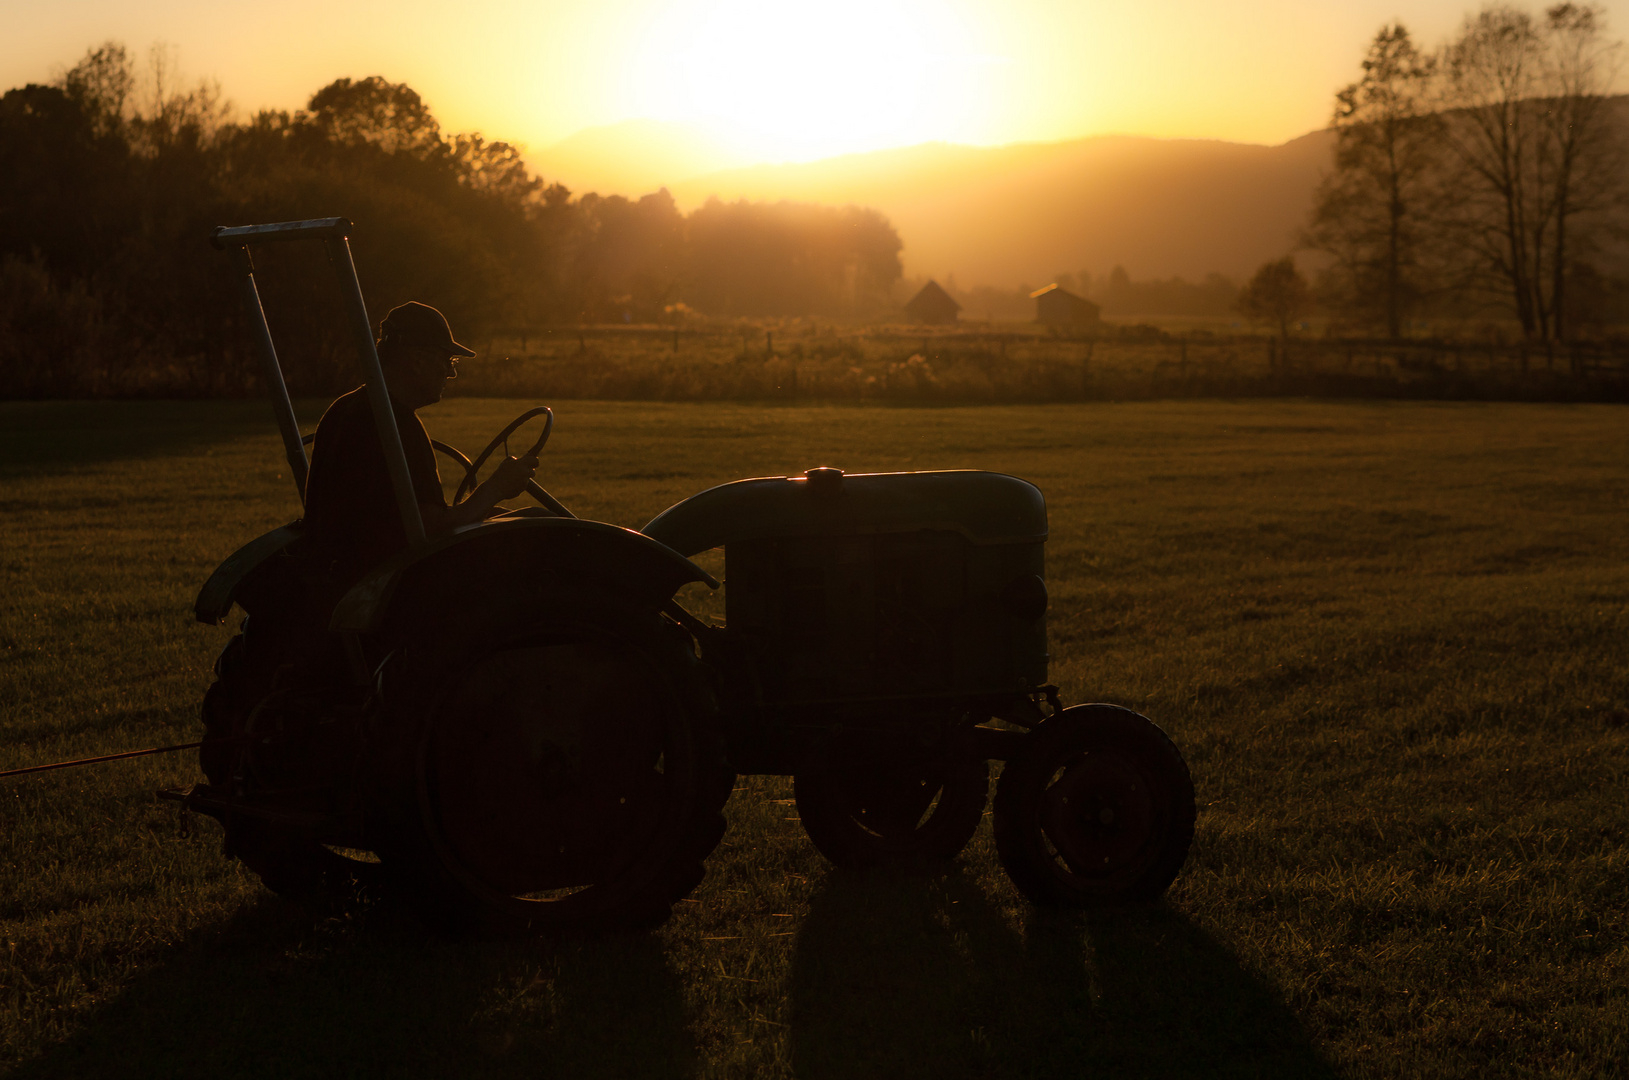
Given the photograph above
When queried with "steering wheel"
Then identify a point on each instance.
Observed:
(533, 488)
(472, 469)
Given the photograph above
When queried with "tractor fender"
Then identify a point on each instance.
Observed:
(985, 508)
(215, 599)
(477, 571)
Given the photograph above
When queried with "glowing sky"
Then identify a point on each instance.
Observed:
(780, 80)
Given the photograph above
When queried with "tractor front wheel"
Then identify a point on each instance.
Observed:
(1096, 809)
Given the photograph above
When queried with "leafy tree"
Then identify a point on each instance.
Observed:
(790, 259)
(631, 261)
(1278, 295)
(1373, 212)
(66, 207)
(100, 235)
(1121, 296)
(373, 112)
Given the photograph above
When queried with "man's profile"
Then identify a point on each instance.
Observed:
(351, 514)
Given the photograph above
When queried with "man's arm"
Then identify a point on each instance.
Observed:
(508, 481)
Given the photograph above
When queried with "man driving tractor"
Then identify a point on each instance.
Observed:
(351, 516)
(530, 733)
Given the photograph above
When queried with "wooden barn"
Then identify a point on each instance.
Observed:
(932, 305)
(1057, 306)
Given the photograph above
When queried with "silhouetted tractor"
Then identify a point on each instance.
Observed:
(517, 727)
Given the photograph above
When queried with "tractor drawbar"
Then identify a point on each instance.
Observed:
(117, 757)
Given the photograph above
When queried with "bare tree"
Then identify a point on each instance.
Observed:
(1492, 77)
(1529, 124)
(168, 115)
(1581, 67)
(1372, 212)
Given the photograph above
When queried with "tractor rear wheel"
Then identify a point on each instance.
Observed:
(1096, 809)
(569, 779)
(288, 859)
(922, 813)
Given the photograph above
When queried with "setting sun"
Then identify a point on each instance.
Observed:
(772, 80)
(798, 82)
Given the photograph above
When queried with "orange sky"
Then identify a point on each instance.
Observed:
(777, 81)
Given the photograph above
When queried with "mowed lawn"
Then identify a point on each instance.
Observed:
(1391, 640)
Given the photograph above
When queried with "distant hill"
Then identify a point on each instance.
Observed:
(1011, 214)
(633, 158)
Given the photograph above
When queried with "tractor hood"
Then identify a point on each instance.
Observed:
(984, 507)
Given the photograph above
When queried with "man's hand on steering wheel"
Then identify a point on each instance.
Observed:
(510, 478)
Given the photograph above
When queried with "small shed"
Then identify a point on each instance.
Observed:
(1057, 306)
(932, 305)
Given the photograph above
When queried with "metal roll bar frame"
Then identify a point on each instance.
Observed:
(335, 234)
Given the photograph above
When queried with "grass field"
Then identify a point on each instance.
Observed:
(1391, 639)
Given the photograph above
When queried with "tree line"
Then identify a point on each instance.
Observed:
(117, 172)
(1486, 176)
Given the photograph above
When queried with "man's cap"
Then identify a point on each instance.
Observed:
(414, 323)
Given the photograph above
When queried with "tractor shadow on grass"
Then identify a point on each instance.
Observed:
(924, 978)
(269, 993)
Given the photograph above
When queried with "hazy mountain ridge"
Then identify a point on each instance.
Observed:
(634, 157)
(1023, 212)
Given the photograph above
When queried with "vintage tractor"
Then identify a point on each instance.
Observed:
(515, 726)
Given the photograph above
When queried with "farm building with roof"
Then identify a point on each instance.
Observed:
(1057, 306)
(932, 305)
